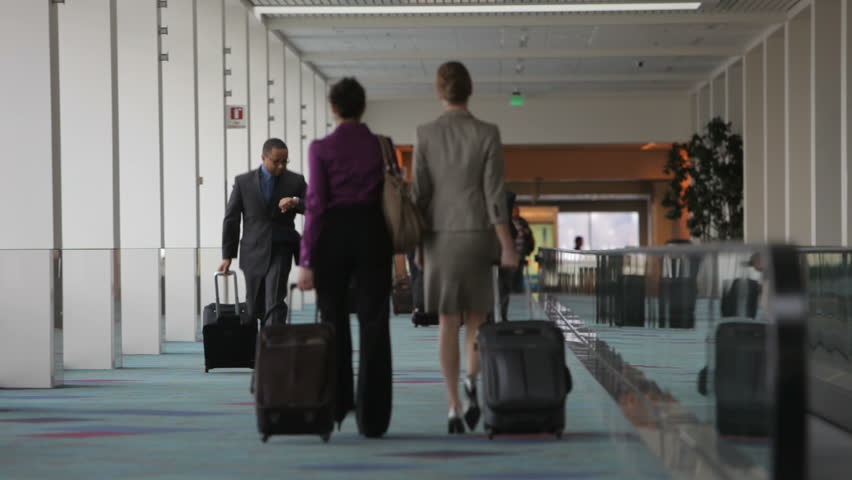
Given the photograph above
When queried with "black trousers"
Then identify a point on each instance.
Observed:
(355, 245)
(265, 290)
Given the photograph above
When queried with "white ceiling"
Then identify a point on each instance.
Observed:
(539, 54)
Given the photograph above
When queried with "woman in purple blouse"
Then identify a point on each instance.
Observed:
(345, 239)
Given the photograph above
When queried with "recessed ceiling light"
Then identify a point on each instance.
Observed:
(477, 8)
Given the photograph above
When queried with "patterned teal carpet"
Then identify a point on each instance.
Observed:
(161, 417)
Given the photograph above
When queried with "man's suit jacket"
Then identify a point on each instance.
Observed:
(458, 173)
(260, 218)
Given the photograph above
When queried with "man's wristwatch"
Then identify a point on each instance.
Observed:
(297, 199)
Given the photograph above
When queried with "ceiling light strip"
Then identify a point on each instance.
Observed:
(482, 9)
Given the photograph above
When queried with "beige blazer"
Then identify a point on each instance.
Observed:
(458, 173)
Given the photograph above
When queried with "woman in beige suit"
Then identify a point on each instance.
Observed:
(458, 185)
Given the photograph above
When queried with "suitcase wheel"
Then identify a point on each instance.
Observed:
(490, 431)
(558, 434)
(264, 438)
(206, 370)
(325, 437)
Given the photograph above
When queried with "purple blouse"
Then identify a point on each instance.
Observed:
(346, 168)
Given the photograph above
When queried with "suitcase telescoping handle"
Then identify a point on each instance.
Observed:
(281, 305)
(236, 289)
(495, 283)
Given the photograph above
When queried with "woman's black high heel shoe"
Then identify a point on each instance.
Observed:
(455, 425)
(472, 412)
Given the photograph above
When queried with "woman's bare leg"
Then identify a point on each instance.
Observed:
(472, 321)
(448, 349)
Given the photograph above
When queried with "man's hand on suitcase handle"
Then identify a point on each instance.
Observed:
(225, 267)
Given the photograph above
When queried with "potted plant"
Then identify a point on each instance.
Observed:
(707, 183)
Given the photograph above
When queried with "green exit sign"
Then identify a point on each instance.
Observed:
(517, 99)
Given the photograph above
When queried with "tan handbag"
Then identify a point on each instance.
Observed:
(405, 223)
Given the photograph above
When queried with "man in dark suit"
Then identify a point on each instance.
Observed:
(268, 200)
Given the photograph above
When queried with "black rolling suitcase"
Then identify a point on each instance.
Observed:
(295, 379)
(742, 400)
(524, 377)
(228, 334)
(739, 379)
(420, 317)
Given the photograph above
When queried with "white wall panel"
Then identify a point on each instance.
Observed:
(734, 105)
(31, 344)
(88, 109)
(142, 322)
(211, 122)
(553, 120)
(258, 50)
(827, 116)
(180, 167)
(799, 98)
(753, 148)
(321, 107)
(29, 137)
(277, 89)
(181, 313)
(308, 116)
(293, 129)
(293, 106)
(719, 94)
(236, 62)
(704, 106)
(139, 180)
(775, 135)
(179, 126)
(139, 123)
(90, 312)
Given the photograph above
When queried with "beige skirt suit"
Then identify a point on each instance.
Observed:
(458, 186)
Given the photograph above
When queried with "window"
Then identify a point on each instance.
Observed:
(600, 230)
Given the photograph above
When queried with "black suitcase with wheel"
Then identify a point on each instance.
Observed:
(739, 379)
(295, 379)
(524, 377)
(228, 334)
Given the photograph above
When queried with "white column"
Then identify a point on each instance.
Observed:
(753, 147)
(827, 110)
(277, 92)
(139, 180)
(237, 156)
(309, 132)
(719, 95)
(799, 98)
(775, 138)
(180, 169)
(734, 107)
(703, 107)
(258, 50)
(236, 84)
(29, 142)
(213, 188)
(321, 106)
(90, 167)
(293, 107)
(293, 129)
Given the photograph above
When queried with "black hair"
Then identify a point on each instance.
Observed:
(349, 98)
(273, 143)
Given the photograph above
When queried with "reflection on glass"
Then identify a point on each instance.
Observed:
(679, 338)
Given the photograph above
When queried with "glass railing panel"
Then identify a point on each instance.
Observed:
(829, 288)
(686, 340)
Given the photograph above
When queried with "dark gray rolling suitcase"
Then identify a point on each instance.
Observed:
(228, 334)
(295, 378)
(742, 401)
(524, 377)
